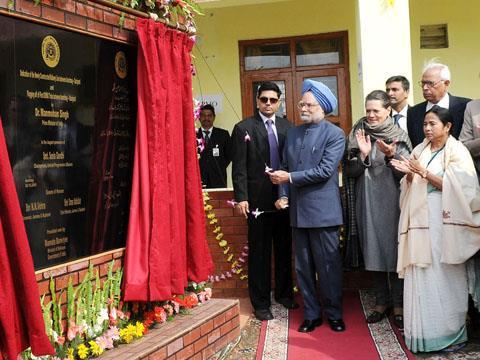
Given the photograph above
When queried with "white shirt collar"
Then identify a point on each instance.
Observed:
(444, 103)
(209, 130)
(264, 118)
(402, 112)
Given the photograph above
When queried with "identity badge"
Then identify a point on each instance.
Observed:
(216, 151)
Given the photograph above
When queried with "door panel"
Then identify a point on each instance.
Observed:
(335, 80)
(252, 82)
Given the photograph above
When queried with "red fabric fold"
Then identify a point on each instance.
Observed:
(21, 319)
(166, 240)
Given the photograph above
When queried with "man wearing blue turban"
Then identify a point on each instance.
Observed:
(310, 178)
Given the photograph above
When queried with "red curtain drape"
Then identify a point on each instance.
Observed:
(21, 320)
(166, 241)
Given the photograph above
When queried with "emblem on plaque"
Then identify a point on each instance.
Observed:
(50, 51)
(121, 65)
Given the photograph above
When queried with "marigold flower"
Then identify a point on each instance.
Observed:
(127, 334)
(95, 348)
(139, 328)
(70, 354)
(82, 351)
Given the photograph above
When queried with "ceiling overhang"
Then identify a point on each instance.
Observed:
(212, 4)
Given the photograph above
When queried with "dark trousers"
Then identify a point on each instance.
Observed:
(388, 289)
(317, 252)
(265, 230)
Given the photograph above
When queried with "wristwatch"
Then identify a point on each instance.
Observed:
(424, 174)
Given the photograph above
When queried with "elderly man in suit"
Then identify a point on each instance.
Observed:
(311, 158)
(435, 82)
(215, 156)
(257, 146)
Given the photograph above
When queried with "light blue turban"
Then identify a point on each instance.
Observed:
(322, 94)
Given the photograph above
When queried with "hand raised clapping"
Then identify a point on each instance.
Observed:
(408, 166)
(388, 149)
(364, 143)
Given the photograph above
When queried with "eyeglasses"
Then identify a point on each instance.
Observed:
(302, 104)
(265, 100)
(429, 84)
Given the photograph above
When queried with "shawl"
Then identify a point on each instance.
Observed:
(460, 208)
(21, 319)
(385, 131)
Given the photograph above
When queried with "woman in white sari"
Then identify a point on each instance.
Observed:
(438, 232)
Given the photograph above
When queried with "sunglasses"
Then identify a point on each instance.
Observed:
(265, 100)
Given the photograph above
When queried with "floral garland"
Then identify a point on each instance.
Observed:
(99, 321)
(175, 11)
(236, 264)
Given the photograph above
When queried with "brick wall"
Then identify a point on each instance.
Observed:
(234, 228)
(76, 270)
(83, 16)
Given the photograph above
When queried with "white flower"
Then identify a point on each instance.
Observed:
(98, 329)
(102, 316)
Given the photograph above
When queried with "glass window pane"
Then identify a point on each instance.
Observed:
(319, 52)
(267, 56)
(331, 82)
(282, 110)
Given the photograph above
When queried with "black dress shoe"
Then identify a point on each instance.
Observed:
(337, 325)
(398, 321)
(376, 316)
(263, 314)
(310, 325)
(288, 303)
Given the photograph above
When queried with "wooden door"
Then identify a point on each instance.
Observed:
(335, 79)
(252, 82)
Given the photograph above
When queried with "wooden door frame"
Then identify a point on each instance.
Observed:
(247, 93)
(344, 118)
(247, 75)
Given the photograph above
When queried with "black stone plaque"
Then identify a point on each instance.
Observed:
(67, 103)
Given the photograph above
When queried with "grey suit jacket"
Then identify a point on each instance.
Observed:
(470, 134)
(311, 155)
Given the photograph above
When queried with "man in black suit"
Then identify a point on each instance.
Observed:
(398, 87)
(257, 147)
(215, 156)
(435, 82)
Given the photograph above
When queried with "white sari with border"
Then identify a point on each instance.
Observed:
(435, 297)
(438, 232)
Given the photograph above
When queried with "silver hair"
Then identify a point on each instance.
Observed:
(434, 64)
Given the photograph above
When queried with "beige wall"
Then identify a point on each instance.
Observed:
(463, 54)
(220, 30)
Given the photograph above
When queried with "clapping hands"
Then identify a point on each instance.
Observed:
(364, 143)
(408, 166)
(388, 149)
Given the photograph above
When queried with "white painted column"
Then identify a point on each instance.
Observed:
(383, 43)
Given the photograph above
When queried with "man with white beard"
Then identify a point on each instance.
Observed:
(311, 156)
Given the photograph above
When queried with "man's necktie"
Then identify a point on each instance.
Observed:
(272, 141)
(207, 136)
(396, 119)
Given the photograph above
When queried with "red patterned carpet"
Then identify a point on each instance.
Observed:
(280, 340)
